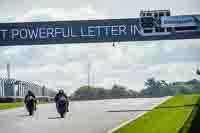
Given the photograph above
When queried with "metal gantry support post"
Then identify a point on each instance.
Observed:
(1, 92)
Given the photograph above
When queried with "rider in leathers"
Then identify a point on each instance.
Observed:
(58, 95)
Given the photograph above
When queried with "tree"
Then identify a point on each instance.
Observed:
(196, 89)
(118, 91)
(88, 92)
(184, 90)
(156, 88)
(193, 82)
(166, 89)
(101, 93)
(84, 92)
(152, 87)
(132, 94)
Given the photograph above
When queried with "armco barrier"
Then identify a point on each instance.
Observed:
(45, 99)
(8, 99)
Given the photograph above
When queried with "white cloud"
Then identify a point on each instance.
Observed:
(174, 71)
(128, 64)
(55, 14)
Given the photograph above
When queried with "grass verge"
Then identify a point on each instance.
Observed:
(169, 117)
(4, 106)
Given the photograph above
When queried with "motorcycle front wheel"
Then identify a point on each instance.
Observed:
(31, 112)
(62, 115)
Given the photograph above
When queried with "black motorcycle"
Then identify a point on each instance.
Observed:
(61, 106)
(30, 105)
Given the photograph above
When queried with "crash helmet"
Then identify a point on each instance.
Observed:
(30, 92)
(61, 91)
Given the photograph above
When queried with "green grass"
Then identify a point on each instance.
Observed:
(181, 100)
(4, 106)
(169, 117)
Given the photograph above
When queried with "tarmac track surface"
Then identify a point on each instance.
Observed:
(84, 116)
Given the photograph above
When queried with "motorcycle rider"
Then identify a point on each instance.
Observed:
(58, 95)
(30, 94)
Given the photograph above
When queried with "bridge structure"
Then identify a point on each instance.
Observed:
(150, 26)
(14, 87)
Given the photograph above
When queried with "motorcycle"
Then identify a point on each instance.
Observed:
(30, 105)
(61, 106)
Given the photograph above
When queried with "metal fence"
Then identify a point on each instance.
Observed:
(13, 87)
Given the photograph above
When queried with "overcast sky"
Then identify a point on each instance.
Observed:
(128, 64)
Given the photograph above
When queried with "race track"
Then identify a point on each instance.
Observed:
(84, 116)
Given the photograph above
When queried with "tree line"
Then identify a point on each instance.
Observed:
(153, 88)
